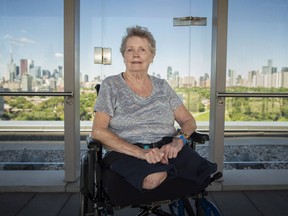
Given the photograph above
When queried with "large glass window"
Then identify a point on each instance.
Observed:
(31, 60)
(31, 45)
(257, 63)
(183, 52)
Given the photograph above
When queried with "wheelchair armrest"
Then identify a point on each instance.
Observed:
(198, 137)
(93, 144)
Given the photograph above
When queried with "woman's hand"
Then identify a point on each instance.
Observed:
(153, 155)
(171, 150)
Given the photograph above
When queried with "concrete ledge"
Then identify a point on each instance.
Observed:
(255, 180)
(35, 181)
(53, 181)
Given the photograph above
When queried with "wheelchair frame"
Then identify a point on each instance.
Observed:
(95, 201)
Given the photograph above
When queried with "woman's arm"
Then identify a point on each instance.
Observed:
(101, 132)
(188, 126)
(185, 120)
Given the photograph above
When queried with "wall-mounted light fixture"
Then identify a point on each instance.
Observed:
(190, 21)
(102, 56)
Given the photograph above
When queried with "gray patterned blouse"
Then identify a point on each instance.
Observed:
(134, 118)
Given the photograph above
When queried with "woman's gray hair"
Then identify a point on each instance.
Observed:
(141, 32)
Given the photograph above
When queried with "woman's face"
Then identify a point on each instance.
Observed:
(138, 55)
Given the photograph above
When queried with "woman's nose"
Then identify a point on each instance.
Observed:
(136, 53)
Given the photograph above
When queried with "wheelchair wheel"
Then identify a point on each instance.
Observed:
(87, 186)
(207, 208)
(200, 211)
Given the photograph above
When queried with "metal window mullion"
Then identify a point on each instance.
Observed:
(218, 77)
(71, 83)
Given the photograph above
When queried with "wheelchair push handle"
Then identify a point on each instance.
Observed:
(199, 137)
(93, 144)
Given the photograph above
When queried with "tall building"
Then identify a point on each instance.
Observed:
(25, 66)
(204, 81)
(60, 70)
(11, 69)
(284, 77)
(52, 83)
(46, 74)
(251, 78)
(86, 78)
(231, 78)
(18, 72)
(268, 69)
(26, 82)
(169, 73)
(270, 63)
(35, 72)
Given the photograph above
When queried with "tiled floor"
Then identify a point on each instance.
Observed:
(230, 203)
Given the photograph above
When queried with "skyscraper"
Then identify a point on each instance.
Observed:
(25, 66)
(169, 73)
(26, 82)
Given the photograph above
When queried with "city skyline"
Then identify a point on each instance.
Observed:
(28, 76)
(185, 49)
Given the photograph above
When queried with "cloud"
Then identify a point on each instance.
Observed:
(18, 41)
(58, 55)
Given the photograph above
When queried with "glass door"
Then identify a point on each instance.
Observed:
(183, 53)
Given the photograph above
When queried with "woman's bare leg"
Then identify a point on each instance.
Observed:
(153, 180)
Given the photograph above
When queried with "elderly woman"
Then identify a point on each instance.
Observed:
(134, 120)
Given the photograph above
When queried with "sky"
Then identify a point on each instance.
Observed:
(257, 31)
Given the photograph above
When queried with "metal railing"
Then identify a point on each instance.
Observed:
(261, 95)
(67, 94)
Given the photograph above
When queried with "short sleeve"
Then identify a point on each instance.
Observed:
(173, 98)
(105, 101)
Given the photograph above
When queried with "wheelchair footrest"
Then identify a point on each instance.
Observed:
(216, 176)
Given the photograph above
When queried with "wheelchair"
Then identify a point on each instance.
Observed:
(102, 191)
